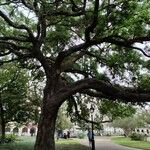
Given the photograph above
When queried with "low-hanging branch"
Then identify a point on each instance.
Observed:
(110, 91)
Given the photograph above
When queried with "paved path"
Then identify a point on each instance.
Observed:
(105, 143)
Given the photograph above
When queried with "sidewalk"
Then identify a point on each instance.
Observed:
(105, 143)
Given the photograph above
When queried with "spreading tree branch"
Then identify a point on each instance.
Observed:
(110, 91)
(16, 26)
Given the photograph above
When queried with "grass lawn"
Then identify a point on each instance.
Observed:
(27, 143)
(130, 143)
(70, 144)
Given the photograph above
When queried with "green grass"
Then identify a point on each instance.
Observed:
(131, 143)
(23, 143)
(27, 143)
(70, 144)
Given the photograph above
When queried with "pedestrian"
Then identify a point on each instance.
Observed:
(90, 137)
(68, 134)
(32, 131)
(57, 135)
(65, 136)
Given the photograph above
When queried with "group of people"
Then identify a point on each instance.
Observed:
(90, 135)
(60, 134)
(66, 136)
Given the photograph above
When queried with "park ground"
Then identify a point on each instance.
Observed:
(102, 143)
(27, 143)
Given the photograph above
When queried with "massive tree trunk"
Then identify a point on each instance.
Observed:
(46, 127)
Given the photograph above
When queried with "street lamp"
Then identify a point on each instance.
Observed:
(93, 141)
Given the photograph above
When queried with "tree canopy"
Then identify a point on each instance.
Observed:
(68, 34)
(63, 121)
(13, 95)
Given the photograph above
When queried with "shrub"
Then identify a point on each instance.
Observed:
(81, 135)
(137, 137)
(8, 138)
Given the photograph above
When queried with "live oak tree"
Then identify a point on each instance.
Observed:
(81, 47)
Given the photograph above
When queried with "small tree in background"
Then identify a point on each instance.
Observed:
(128, 124)
(13, 96)
(63, 121)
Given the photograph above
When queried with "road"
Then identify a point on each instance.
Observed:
(105, 143)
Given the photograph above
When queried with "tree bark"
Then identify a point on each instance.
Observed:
(46, 128)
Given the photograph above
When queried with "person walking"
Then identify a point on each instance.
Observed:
(90, 137)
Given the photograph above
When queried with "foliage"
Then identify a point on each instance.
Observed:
(63, 122)
(137, 137)
(23, 143)
(34, 100)
(144, 82)
(95, 48)
(81, 135)
(144, 116)
(8, 138)
(14, 93)
(128, 124)
(105, 110)
(120, 20)
(116, 109)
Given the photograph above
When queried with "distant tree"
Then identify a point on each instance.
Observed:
(34, 100)
(128, 124)
(63, 121)
(144, 116)
(13, 96)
